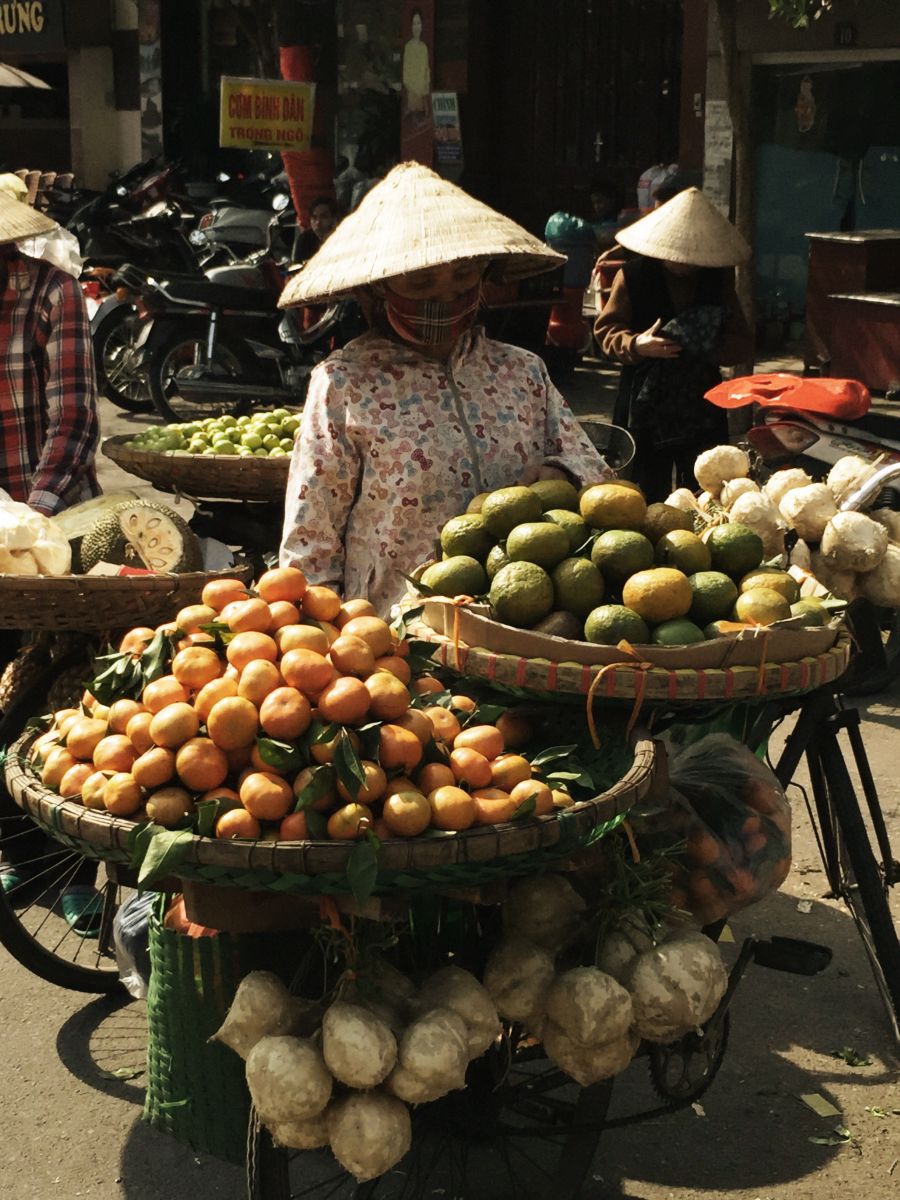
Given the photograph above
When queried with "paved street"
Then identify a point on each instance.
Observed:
(72, 1083)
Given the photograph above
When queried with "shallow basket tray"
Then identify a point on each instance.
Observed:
(474, 856)
(218, 476)
(100, 603)
(630, 679)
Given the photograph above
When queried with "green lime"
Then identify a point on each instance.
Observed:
(495, 560)
(521, 594)
(761, 606)
(461, 575)
(714, 596)
(613, 506)
(539, 542)
(508, 507)
(683, 550)
(556, 493)
(577, 586)
(467, 535)
(577, 529)
(679, 632)
(658, 595)
(735, 549)
(613, 623)
(812, 612)
(771, 577)
(662, 519)
(621, 553)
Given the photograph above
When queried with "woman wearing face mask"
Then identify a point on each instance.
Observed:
(406, 424)
(672, 320)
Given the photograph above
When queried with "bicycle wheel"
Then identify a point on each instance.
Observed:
(520, 1127)
(860, 881)
(32, 926)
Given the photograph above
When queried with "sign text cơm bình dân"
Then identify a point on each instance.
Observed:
(265, 114)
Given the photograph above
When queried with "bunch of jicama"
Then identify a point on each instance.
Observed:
(848, 553)
(348, 1085)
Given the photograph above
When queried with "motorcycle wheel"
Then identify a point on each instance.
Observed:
(114, 343)
(182, 350)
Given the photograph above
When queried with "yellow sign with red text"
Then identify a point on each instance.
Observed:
(266, 114)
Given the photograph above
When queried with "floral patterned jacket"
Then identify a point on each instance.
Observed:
(393, 444)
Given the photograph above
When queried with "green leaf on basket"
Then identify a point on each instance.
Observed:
(486, 714)
(348, 765)
(526, 808)
(410, 614)
(362, 869)
(321, 782)
(582, 778)
(166, 849)
(282, 755)
(122, 677)
(139, 839)
(42, 722)
(421, 655)
(553, 754)
(221, 632)
(420, 587)
(157, 657)
(435, 752)
(317, 824)
(321, 733)
(207, 815)
(368, 740)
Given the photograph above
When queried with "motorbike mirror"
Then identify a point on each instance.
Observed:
(197, 237)
(280, 202)
(223, 177)
(121, 191)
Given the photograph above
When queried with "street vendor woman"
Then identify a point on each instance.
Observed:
(672, 319)
(410, 421)
(48, 407)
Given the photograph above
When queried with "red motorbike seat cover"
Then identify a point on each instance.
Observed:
(847, 399)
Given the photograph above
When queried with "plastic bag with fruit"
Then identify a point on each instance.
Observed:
(735, 821)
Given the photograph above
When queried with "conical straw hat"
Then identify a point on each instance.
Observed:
(686, 229)
(18, 220)
(414, 219)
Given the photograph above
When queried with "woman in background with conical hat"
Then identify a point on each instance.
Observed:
(406, 424)
(672, 320)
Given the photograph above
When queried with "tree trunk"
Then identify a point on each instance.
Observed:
(739, 111)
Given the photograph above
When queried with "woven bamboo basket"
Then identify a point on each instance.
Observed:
(632, 678)
(219, 476)
(475, 856)
(196, 1089)
(99, 603)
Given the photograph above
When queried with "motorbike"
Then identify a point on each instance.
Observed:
(150, 242)
(219, 343)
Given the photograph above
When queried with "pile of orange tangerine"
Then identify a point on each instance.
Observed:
(294, 654)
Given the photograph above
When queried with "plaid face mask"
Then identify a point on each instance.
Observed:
(431, 322)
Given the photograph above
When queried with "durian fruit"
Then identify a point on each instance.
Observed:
(141, 533)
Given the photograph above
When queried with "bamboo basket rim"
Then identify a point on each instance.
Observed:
(630, 680)
(97, 602)
(177, 471)
(259, 864)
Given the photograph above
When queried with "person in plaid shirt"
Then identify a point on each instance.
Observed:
(48, 438)
(48, 405)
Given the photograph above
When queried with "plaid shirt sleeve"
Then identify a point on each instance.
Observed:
(70, 397)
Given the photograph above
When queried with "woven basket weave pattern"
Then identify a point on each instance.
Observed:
(474, 856)
(196, 1089)
(226, 476)
(656, 685)
(99, 603)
